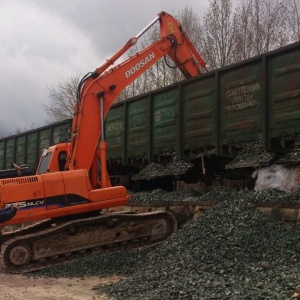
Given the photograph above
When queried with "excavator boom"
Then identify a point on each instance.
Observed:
(87, 127)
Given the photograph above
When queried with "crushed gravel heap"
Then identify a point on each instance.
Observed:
(293, 155)
(152, 170)
(271, 196)
(216, 194)
(233, 251)
(251, 153)
(159, 196)
(159, 170)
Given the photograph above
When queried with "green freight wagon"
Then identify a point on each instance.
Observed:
(212, 117)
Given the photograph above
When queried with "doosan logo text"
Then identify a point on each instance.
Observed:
(139, 65)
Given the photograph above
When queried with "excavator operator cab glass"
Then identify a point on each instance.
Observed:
(44, 163)
(62, 158)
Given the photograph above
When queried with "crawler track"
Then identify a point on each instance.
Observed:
(44, 245)
(41, 247)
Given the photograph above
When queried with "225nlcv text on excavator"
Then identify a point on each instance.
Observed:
(65, 197)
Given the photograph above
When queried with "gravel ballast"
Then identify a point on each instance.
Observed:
(233, 251)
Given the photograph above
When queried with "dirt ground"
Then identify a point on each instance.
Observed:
(20, 287)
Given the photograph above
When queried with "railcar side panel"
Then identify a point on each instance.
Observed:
(114, 132)
(165, 122)
(20, 148)
(32, 154)
(241, 103)
(199, 114)
(44, 139)
(284, 93)
(9, 152)
(2, 154)
(138, 134)
(60, 133)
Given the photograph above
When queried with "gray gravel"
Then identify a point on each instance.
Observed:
(293, 155)
(159, 196)
(232, 251)
(251, 154)
(271, 196)
(216, 194)
(155, 170)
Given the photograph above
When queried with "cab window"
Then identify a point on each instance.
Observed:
(44, 163)
(62, 158)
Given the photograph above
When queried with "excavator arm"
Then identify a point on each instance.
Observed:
(98, 90)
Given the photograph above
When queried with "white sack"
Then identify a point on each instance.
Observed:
(277, 177)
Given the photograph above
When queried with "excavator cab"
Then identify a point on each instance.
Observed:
(53, 159)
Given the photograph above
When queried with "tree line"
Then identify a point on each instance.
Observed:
(226, 34)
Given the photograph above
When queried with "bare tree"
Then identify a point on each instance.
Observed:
(62, 99)
(260, 27)
(292, 17)
(244, 35)
(268, 25)
(218, 34)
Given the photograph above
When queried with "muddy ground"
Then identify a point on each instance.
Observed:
(20, 287)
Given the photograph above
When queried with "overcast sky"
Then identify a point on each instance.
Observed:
(44, 42)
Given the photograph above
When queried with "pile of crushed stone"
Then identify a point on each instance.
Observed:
(233, 251)
(216, 194)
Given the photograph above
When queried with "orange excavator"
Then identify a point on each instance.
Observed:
(61, 204)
